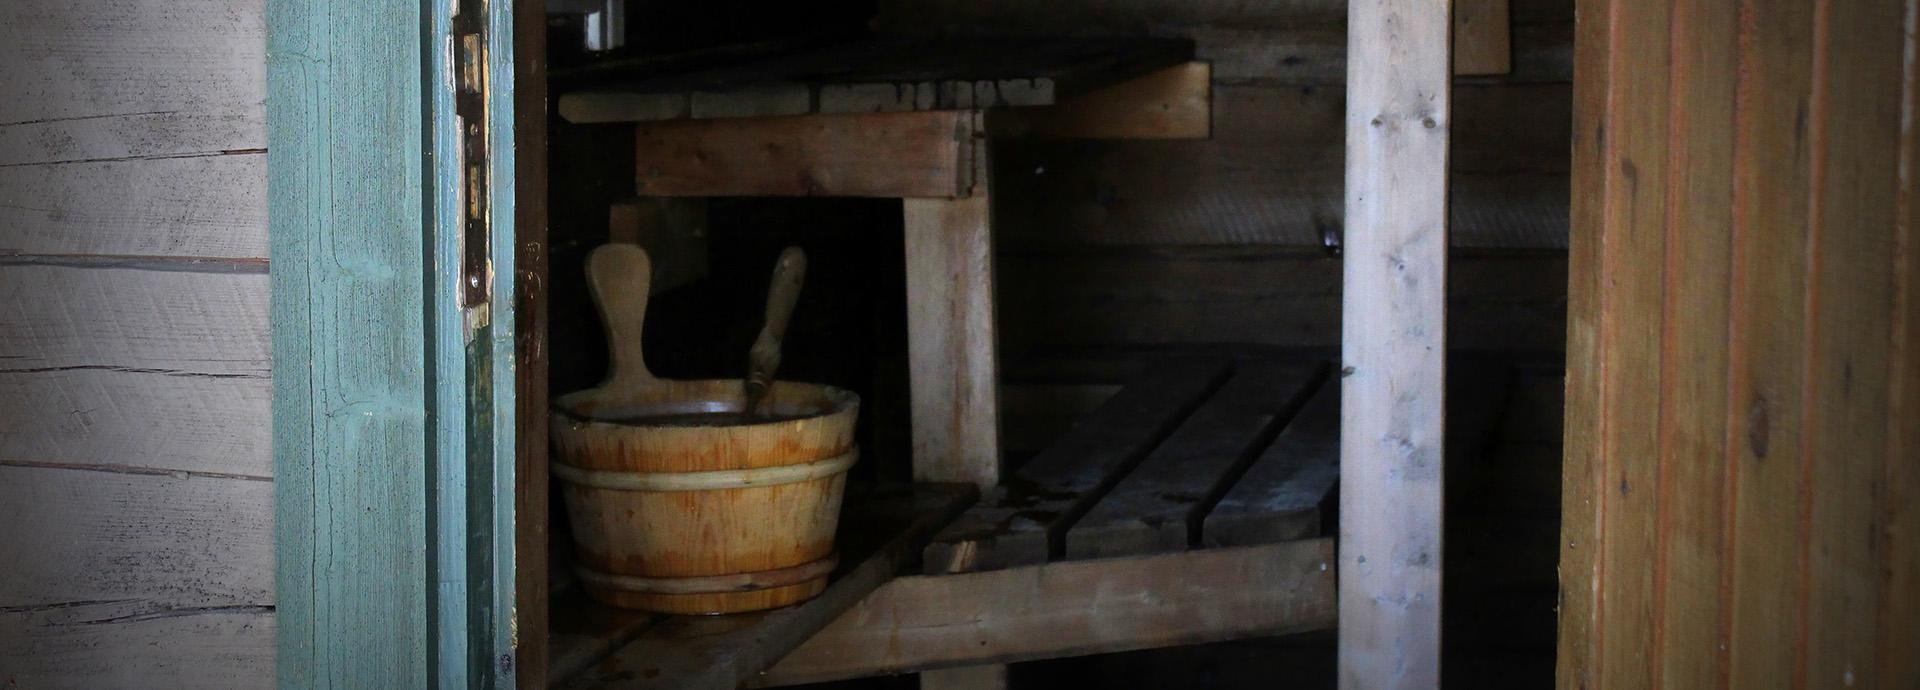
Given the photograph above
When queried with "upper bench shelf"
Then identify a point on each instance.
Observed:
(883, 75)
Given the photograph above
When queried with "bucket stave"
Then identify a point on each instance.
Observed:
(677, 515)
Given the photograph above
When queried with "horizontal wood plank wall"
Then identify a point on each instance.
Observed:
(134, 364)
(1137, 296)
(1740, 415)
(1271, 173)
(1180, 241)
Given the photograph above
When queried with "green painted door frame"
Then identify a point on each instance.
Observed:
(393, 340)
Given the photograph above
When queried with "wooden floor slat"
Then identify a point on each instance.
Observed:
(1159, 506)
(1025, 521)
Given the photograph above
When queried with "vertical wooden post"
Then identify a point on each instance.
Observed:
(1393, 343)
(530, 584)
(952, 351)
(951, 341)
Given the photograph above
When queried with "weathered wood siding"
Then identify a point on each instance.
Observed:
(135, 461)
(1742, 409)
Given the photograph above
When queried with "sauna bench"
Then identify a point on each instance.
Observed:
(910, 119)
(1186, 506)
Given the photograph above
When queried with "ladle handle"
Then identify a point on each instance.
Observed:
(620, 276)
(764, 360)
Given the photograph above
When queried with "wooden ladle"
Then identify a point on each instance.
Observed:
(620, 276)
(763, 361)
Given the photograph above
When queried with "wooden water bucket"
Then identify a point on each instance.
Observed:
(673, 512)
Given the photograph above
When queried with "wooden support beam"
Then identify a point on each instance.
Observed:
(1070, 609)
(1482, 38)
(900, 155)
(1393, 342)
(1173, 103)
(951, 340)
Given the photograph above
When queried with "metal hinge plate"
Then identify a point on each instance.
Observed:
(470, 106)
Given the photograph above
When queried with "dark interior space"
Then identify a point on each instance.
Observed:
(1115, 254)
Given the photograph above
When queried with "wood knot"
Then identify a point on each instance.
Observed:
(1757, 423)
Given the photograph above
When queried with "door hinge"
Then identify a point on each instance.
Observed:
(470, 110)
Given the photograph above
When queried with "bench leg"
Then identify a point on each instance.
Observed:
(951, 341)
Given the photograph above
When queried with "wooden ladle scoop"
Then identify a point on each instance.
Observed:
(763, 361)
(620, 276)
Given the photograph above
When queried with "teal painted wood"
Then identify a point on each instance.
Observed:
(500, 635)
(345, 181)
(392, 419)
(452, 661)
(473, 358)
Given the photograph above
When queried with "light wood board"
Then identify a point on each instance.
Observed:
(1393, 343)
(953, 347)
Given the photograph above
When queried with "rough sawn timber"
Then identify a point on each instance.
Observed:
(1070, 609)
(1392, 440)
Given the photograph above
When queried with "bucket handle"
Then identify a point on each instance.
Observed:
(620, 277)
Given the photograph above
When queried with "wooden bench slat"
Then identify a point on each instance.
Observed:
(1159, 507)
(1025, 522)
(1279, 497)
